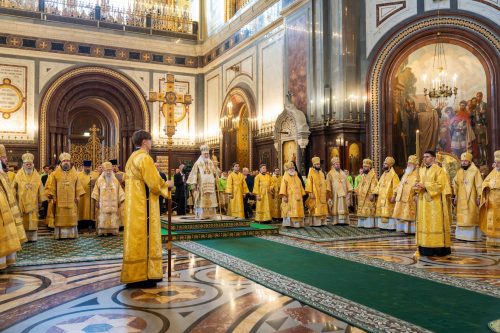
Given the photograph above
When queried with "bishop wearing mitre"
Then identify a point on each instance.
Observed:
(338, 191)
(385, 191)
(405, 207)
(366, 199)
(489, 213)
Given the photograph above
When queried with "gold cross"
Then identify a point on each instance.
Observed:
(146, 57)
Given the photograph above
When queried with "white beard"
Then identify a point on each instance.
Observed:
(409, 170)
(206, 159)
(28, 171)
(107, 179)
(291, 173)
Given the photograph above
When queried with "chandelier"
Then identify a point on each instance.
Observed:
(230, 123)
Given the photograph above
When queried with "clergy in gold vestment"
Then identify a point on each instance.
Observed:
(202, 179)
(291, 192)
(12, 233)
(316, 187)
(338, 188)
(385, 191)
(489, 214)
(276, 198)
(65, 190)
(142, 247)
(109, 197)
(433, 219)
(467, 188)
(366, 201)
(28, 190)
(86, 205)
(405, 207)
(236, 188)
(262, 191)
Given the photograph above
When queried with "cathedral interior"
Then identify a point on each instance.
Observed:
(274, 82)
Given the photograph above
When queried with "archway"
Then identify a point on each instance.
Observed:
(465, 32)
(236, 129)
(90, 94)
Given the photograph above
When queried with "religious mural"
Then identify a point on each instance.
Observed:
(298, 44)
(457, 125)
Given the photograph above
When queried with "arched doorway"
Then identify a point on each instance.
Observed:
(385, 91)
(87, 96)
(236, 128)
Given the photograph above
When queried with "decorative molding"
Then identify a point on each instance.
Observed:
(392, 45)
(388, 9)
(490, 3)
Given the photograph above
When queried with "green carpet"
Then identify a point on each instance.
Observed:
(331, 233)
(435, 306)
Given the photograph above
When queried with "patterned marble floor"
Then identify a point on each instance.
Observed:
(202, 297)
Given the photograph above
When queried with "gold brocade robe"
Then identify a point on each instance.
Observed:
(405, 207)
(291, 187)
(142, 247)
(467, 188)
(11, 175)
(339, 188)
(276, 199)
(433, 219)
(65, 188)
(202, 178)
(489, 213)
(366, 208)
(28, 190)
(11, 225)
(316, 184)
(385, 190)
(237, 187)
(110, 197)
(262, 188)
(86, 205)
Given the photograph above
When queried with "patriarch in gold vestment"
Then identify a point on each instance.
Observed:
(338, 188)
(406, 207)
(109, 197)
(291, 192)
(142, 246)
(236, 189)
(86, 205)
(12, 233)
(366, 199)
(64, 188)
(385, 191)
(433, 219)
(28, 190)
(467, 188)
(262, 191)
(489, 213)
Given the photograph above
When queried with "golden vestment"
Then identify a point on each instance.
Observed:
(86, 205)
(110, 197)
(28, 190)
(317, 186)
(489, 213)
(12, 233)
(275, 197)
(142, 246)
(405, 207)
(339, 189)
(237, 187)
(433, 219)
(262, 188)
(366, 208)
(293, 210)
(64, 187)
(202, 179)
(385, 191)
(467, 188)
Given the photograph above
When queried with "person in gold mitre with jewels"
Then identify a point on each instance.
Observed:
(338, 188)
(236, 189)
(262, 191)
(433, 219)
(385, 191)
(202, 179)
(366, 200)
(142, 247)
(406, 206)
(489, 212)
(467, 188)
(28, 190)
(11, 223)
(291, 192)
(316, 187)
(64, 188)
(109, 197)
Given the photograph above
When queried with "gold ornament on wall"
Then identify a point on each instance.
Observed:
(11, 98)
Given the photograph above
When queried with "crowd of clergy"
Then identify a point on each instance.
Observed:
(422, 202)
